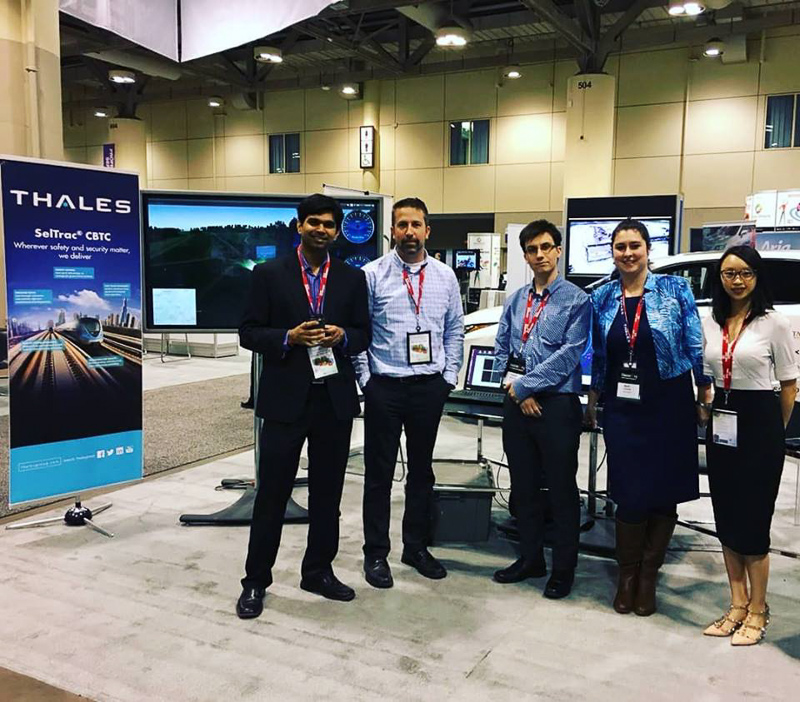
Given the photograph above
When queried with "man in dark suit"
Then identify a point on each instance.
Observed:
(307, 314)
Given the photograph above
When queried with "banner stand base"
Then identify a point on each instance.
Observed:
(76, 515)
(240, 513)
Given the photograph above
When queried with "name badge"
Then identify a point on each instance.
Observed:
(723, 427)
(514, 370)
(323, 362)
(628, 387)
(419, 348)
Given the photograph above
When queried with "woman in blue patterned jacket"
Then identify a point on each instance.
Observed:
(647, 341)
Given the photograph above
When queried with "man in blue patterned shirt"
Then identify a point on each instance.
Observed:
(406, 375)
(542, 333)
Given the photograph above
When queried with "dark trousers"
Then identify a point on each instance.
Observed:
(543, 452)
(392, 405)
(328, 451)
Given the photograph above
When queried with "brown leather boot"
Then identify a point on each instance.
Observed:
(630, 547)
(659, 532)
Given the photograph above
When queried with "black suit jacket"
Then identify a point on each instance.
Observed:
(278, 303)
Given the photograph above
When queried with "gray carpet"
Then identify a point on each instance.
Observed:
(182, 424)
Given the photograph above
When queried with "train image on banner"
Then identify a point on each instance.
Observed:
(84, 331)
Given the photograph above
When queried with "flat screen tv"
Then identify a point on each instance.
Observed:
(718, 236)
(466, 259)
(199, 250)
(589, 243)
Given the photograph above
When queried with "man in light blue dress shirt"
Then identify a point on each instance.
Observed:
(406, 375)
(542, 333)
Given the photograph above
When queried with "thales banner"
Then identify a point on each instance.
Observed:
(74, 327)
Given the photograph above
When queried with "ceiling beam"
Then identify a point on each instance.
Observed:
(339, 41)
(371, 44)
(563, 25)
(613, 33)
(420, 52)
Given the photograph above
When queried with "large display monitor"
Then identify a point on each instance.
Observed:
(199, 250)
(589, 222)
(589, 243)
(718, 236)
(466, 259)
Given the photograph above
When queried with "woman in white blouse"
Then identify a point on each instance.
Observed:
(748, 350)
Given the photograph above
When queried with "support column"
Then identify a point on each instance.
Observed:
(589, 153)
(30, 89)
(371, 177)
(128, 136)
(30, 79)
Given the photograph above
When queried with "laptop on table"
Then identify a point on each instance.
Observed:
(483, 380)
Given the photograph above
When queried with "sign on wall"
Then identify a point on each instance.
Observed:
(788, 210)
(73, 271)
(765, 204)
(367, 147)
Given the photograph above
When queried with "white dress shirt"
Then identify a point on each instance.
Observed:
(764, 354)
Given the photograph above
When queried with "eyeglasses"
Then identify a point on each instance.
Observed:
(545, 248)
(746, 274)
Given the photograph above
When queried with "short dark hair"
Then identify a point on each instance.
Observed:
(317, 204)
(414, 202)
(760, 298)
(536, 228)
(634, 225)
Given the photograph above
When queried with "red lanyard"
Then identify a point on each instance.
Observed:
(528, 322)
(631, 334)
(727, 357)
(315, 305)
(417, 301)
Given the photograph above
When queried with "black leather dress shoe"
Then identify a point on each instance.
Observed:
(328, 585)
(377, 573)
(560, 584)
(425, 563)
(522, 569)
(250, 603)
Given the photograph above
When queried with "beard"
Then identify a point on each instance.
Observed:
(411, 246)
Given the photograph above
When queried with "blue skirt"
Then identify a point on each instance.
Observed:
(652, 445)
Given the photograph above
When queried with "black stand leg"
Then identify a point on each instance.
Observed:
(240, 513)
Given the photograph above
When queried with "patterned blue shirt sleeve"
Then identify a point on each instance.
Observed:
(692, 331)
(598, 346)
(561, 364)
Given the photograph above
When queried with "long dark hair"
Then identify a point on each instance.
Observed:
(760, 298)
(625, 225)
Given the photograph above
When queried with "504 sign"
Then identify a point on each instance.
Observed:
(584, 84)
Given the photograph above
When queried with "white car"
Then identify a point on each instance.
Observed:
(783, 271)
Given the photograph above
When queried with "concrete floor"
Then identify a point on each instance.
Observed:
(150, 613)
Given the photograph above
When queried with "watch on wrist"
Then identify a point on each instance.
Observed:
(704, 405)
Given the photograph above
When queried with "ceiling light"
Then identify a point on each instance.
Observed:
(676, 8)
(215, 101)
(693, 8)
(714, 47)
(512, 72)
(451, 37)
(101, 112)
(268, 54)
(350, 90)
(325, 87)
(118, 76)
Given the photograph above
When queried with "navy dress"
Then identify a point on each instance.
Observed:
(652, 444)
